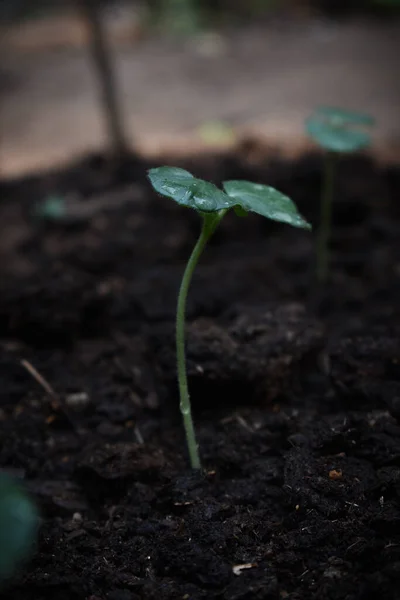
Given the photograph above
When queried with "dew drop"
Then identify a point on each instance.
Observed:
(188, 194)
(205, 204)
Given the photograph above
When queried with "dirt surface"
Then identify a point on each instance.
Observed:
(296, 391)
(262, 80)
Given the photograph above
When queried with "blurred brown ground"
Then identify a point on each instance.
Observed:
(261, 81)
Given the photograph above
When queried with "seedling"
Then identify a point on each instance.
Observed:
(212, 204)
(337, 131)
(18, 526)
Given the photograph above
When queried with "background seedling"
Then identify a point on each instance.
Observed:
(91, 11)
(337, 131)
(18, 526)
(212, 204)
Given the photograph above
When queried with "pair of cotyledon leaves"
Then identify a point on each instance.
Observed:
(242, 196)
(18, 526)
(339, 130)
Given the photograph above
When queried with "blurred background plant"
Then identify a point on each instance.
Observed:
(58, 58)
(189, 14)
(18, 527)
(103, 64)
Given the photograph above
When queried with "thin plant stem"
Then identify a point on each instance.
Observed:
(210, 222)
(324, 232)
(102, 60)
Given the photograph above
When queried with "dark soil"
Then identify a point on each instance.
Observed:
(296, 391)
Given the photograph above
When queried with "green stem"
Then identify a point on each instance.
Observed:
(324, 232)
(210, 223)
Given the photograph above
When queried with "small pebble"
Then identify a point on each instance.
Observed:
(78, 400)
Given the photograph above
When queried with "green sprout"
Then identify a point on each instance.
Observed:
(18, 526)
(212, 204)
(337, 131)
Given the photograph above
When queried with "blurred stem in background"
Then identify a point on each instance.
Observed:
(324, 232)
(92, 12)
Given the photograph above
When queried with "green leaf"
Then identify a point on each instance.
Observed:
(181, 186)
(243, 196)
(52, 208)
(344, 116)
(18, 526)
(339, 130)
(265, 201)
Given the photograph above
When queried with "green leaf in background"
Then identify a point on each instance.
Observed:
(53, 208)
(181, 186)
(18, 526)
(266, 201)
(344, 116)
(339, 130)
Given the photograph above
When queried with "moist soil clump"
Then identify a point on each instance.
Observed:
(296, 390)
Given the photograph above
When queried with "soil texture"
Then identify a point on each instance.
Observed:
(296, 389)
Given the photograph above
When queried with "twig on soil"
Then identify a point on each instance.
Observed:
(237, 569)
(56, 403)
(304, 573)
(138, 435)
(243, 423)
(359, 541)
(111, 515)
(43, 383)
(239, 420)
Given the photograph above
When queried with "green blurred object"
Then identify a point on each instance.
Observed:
(19, 522)
(53, 208)
(216, 132)
(339, 130)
